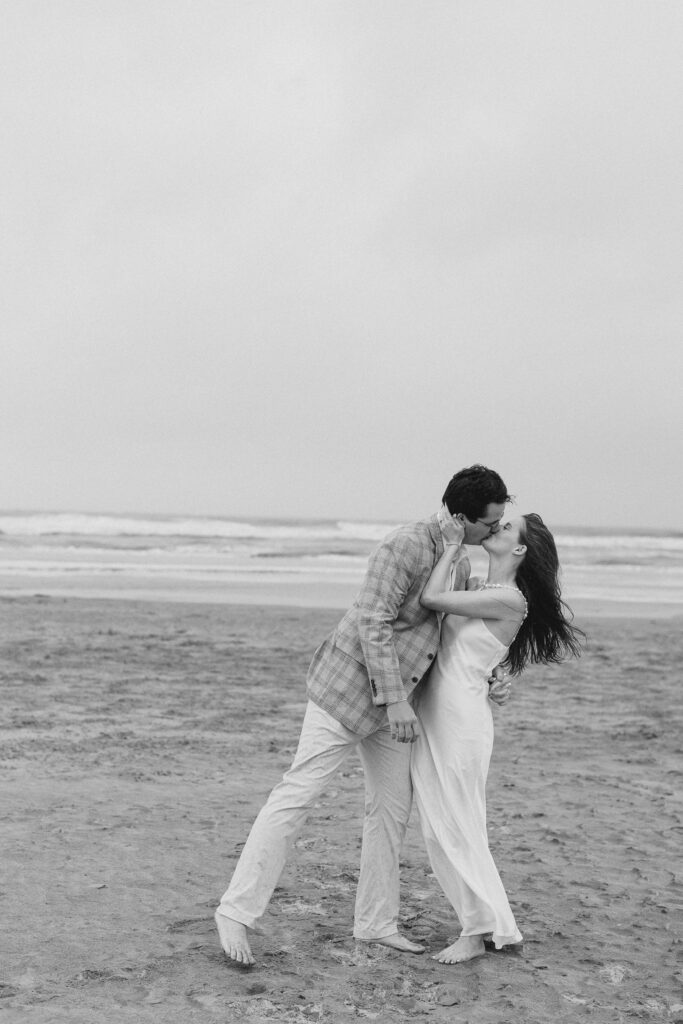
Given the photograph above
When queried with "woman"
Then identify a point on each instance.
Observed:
(514, 617)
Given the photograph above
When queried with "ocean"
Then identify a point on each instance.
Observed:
(309, 562)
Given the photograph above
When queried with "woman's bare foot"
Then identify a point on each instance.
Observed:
(233, 936)
(467, 947)
(399, 942)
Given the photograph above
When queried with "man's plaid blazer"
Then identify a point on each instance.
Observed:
(387, 641)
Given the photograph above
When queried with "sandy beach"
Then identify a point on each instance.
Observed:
(140, 738)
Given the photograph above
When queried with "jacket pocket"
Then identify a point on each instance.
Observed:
(350, 645)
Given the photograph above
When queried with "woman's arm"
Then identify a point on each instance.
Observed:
(477, 604)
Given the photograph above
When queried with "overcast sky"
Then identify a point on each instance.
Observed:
(290, 258)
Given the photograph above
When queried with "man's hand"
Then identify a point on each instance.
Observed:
(404, 727)
(499, 686)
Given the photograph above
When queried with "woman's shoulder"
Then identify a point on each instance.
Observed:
(515, 600)
(511, 598)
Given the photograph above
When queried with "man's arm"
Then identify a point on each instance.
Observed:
(392, 570)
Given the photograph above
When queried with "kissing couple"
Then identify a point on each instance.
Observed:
(432, 741)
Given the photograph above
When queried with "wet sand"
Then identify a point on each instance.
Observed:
(139, 740)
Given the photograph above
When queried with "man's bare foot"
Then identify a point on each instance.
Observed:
(233, 936)
(467, 947)
(399, 942)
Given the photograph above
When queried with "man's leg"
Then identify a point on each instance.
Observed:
(388, 795)
(324, 745)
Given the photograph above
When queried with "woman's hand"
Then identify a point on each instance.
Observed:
(439, 582)
(452, 529)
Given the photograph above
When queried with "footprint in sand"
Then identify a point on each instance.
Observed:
(614, 973)
(132, 996)
(188, 924)
(205, 1000)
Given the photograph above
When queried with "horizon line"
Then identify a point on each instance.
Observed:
(292, 517)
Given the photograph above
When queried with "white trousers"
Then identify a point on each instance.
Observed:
(324, 746)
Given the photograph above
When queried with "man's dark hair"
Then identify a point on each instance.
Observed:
(472, 490)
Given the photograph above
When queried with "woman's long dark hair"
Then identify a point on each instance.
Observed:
(546, 635)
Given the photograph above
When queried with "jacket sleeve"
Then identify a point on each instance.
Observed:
(392, 569)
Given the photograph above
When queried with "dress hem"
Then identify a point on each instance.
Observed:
(499, 941)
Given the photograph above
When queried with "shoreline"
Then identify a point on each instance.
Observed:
(303, 594)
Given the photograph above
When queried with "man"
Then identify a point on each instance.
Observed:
(359, 684)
